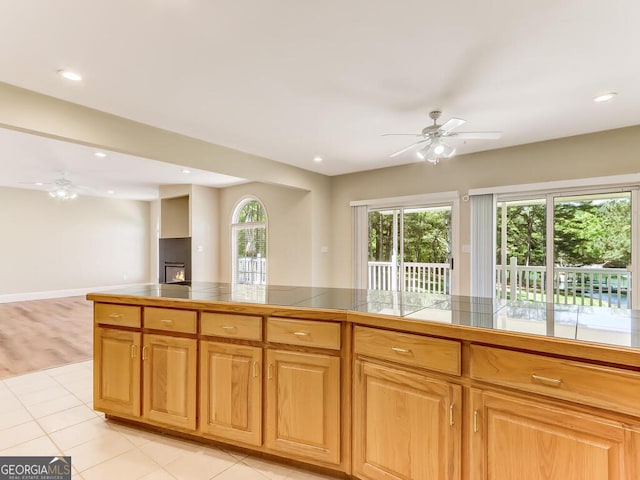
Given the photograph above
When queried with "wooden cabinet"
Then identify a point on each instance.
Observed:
(514, 438)
(433, 402)
(303, 414)
(553, 438)
(116, 371)
(145, 375)
(231, 391)
(169, 387)
(406, 425)
(407, 422)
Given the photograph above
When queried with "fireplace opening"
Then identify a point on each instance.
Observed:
(175, 260)
(174, 272)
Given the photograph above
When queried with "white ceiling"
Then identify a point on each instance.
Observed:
(294, 79)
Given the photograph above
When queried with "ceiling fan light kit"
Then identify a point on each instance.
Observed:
(433, 147)
(63, 190)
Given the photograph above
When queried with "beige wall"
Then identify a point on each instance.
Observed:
(600, 154)
(42, 115)
(310, 231)
(289, 223)
(205, 233)
(47, 245)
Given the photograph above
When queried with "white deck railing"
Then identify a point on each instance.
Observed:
(418, 277)
(251, 270)
(593, 286)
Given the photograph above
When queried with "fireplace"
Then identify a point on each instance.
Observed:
(175, 260)
(174, 272)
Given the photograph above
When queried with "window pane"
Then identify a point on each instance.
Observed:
(592, 248)
(521, 240)
(250, 244)
(252, 212)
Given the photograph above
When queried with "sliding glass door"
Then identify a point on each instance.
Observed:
(410, 249)
(586, 238)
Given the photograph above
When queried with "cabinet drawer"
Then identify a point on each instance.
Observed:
(171, 320)
(121, 315)
(409, 349)
(231, 326)
(606, 387)
(304, 332)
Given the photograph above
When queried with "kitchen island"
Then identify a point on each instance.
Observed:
(377, 384)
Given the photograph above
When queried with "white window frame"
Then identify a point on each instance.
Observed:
(627, 183)
(237, 225)
(361, 237)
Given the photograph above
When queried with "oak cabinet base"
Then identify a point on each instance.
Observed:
(303, 415)
(406, 425)
(513, 438)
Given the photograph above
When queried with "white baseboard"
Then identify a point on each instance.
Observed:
(73, 292)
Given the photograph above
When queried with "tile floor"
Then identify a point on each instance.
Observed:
(49, 413)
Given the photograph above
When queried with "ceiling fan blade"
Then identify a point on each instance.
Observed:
(476, 135)
(410, 134)
(409, 147)
(451, 124)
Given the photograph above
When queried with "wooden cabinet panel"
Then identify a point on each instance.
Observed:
(245, 327)
(513, 438)
(170, 320)
(231, 391)
(405, 425)
(116, 371)
(581, 382)
(304, 332)
(117, 315)
(169, 387)
(408, 349)
(303, 405)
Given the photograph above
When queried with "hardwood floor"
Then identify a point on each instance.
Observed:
(40, 334)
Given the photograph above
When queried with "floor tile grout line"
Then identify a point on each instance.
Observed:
(34, 419)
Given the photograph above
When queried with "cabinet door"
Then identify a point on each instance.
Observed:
(231, 391)
(116, 371)
(513, 438)
(169, 393)
(405, 425)
(303, 404)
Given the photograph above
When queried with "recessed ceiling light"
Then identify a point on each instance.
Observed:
(605, 97)
(69, 75)
(39, 184)
(100, 154)
(317, 159)
(111, 192)
(185, 171)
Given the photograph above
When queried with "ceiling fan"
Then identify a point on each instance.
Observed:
(64, 189)
(61, 188)
(432, 138)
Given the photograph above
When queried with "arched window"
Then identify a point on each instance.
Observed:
(249, 243)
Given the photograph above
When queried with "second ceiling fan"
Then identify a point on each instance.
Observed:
(433, 146)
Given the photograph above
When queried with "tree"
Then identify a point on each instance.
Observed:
(526, 233)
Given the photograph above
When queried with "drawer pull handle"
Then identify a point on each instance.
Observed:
(133, 351)
(552, 382)
(166, 321)
(255, 369)
(144, 352)
(270, 371)
(229, 327)
(401, 350)
(475, 421)
(451, 414)
(301, 334)
(115, 315)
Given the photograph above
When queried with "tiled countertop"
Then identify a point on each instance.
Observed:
(617, 327)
